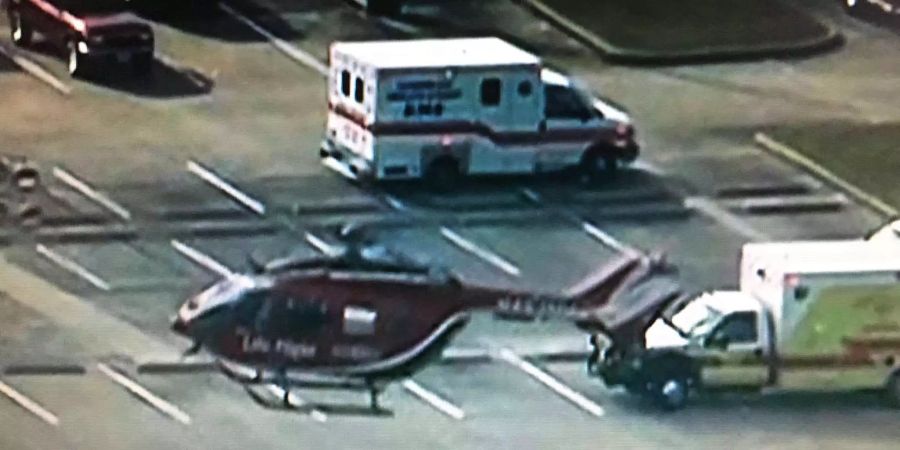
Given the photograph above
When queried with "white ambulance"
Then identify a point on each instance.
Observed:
(809, 316)
(439, 109)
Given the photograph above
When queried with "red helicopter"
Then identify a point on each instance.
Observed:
(365, 317)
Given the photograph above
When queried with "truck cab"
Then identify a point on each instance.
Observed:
(89, 33)
(728, 331)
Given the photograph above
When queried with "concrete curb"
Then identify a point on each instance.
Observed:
(118, 232)
(207, 214)
(44, 369)
(832, 39)
(75, 220)
(794, 157)
(165, 368)
(762, 190)
(789, 205)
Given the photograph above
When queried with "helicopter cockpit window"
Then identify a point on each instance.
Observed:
(359, 321)
(247, 308)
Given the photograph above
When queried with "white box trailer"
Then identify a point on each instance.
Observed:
(442, 108)
(811, 315)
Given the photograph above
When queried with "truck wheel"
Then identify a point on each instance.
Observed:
(20, 33)
(597, 166)
(671, 393)
(893, 389)
(443, 174)
(77, 64)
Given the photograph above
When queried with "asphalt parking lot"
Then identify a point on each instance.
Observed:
(94, 288)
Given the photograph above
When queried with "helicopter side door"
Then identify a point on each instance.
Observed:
(294, 327)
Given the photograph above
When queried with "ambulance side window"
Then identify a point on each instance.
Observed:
(490, 91)
(359, 92)
(524, 88)
(345, 83)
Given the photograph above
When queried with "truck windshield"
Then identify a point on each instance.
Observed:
(585, 97)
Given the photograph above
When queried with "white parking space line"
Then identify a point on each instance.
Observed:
(320, 245)
(285, 47)
(36, 71)
(607, 240)
(72, 267)
(433, 399)
(589, 228)
(201, 259)
(295, 400)
(531, 195)
(84, 189)
(548, 380)
(141, 392)
(488, 256)
(29, 404)
(395, 203)
(229, 189)
(723, 216)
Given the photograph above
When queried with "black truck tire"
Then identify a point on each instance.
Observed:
(20, 33)
(671, 392)
(596, 165)
(443, 174)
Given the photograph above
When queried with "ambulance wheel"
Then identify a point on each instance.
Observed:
(442, 174)
(596, 166)
(671, 392)
(20, 33)
(893, 389)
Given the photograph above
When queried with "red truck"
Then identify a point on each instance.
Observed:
(89, 33)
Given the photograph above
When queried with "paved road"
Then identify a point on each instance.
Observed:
(226, 98)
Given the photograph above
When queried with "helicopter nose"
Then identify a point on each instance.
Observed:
(180, 326)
